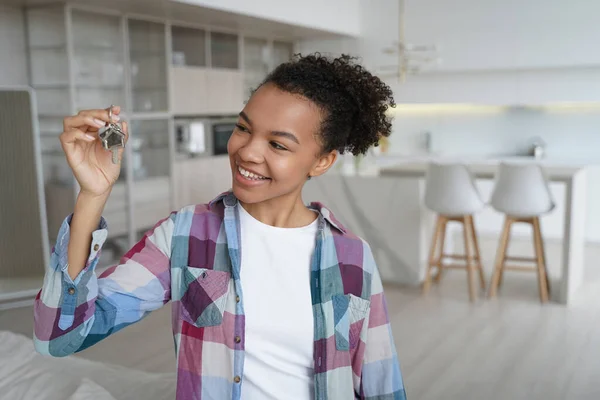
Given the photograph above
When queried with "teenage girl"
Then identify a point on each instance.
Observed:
(271, 298)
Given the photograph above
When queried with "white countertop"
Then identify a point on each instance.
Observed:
(415, 166)
(556, 170)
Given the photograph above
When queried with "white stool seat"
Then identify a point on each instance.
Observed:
(521, 190)
(450, 190)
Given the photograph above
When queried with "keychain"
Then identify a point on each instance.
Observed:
(112, 137)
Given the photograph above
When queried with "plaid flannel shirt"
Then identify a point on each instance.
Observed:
(192, 258)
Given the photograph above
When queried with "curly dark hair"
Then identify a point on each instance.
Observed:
(353, 100)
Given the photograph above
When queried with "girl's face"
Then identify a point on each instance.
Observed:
(275, 147)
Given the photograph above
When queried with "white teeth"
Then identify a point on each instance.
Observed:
(250, 175)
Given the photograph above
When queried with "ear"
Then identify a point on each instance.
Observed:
(323, 163)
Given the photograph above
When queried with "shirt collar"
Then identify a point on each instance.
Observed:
(229, 200)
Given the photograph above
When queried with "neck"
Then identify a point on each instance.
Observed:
(286, 211)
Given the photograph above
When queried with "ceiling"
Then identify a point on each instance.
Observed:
(191, 14)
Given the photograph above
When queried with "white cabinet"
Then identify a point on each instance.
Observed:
(189, 90)
(199, 180)
(197, 91)
(199, 87)
(225, 91)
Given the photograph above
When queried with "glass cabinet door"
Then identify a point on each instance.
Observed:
(189, 47)
(98, 60)
(224, 50)
(147, 52)
(256, 63)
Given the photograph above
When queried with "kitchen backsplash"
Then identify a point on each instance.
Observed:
(568, 133)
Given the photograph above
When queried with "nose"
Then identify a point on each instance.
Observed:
(251, 152)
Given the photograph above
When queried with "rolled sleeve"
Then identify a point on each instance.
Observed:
(59, 259)
(73, 314)
(61, 297)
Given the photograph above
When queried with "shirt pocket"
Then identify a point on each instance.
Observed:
(204, 295)
(349, 313)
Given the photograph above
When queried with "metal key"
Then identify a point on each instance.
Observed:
(112, 137)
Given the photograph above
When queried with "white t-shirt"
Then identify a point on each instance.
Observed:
(275, 278)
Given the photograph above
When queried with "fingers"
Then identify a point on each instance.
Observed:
(79, 121)
(92, 118)
(68, 139)
(76, 134)
(125, 127)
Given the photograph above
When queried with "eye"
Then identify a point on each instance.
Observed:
(277, 146)
(241, 128)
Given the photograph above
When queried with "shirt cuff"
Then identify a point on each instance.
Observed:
(60, 250)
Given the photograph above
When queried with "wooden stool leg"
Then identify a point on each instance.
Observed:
(501, 280)
(477, 252)
(469, 258)
(540, 258)
(500, 256)
(440, 259)
(543, 250)
(432, 252)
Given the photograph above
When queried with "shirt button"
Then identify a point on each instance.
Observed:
(71, 290)
(237, 379)
(237, 299)
(96, 247)
(238, 339)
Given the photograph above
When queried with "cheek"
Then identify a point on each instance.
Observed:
(234, 143)
(291, 168)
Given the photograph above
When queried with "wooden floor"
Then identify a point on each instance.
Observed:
(508, 348)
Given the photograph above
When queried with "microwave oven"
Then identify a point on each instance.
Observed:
(197, 137)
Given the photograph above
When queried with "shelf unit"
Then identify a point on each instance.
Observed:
(84, 57)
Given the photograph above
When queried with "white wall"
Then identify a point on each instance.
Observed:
(13, 54)
(503, 87)
(508, 34)
(336, 16)
(508, 52)
(569, 134)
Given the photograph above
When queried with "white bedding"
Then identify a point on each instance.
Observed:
(25, 375)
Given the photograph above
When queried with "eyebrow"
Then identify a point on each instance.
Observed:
(282, 134)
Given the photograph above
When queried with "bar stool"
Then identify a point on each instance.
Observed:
(522, 193)
(450, 191)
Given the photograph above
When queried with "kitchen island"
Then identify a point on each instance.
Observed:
(386, 209)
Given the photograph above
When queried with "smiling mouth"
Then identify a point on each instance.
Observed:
(250, 175)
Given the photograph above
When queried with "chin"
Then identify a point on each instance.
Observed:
(246, 196)
(250, 195)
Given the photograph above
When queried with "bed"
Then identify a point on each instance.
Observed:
(25, 374)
